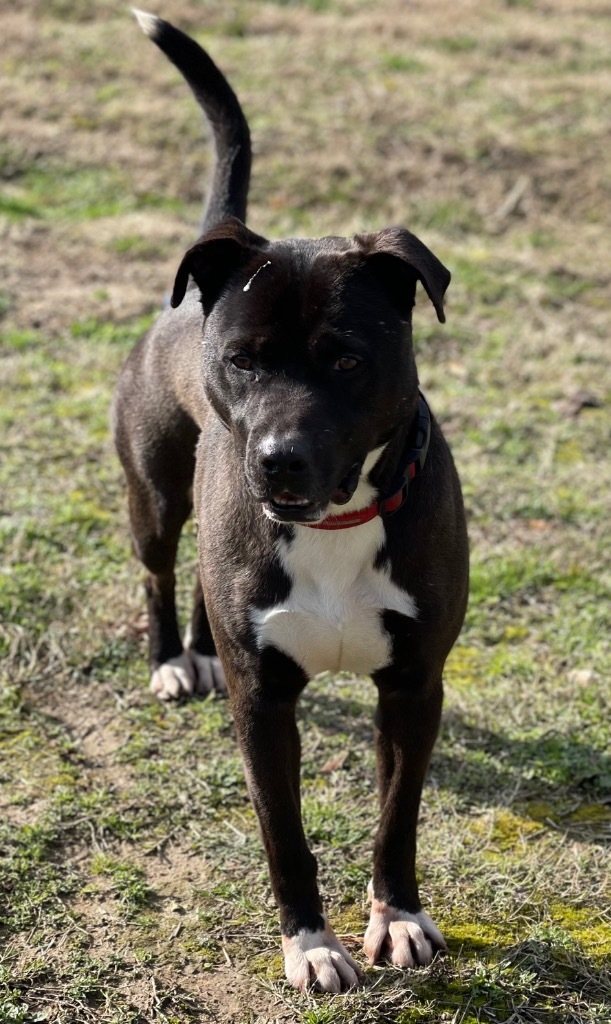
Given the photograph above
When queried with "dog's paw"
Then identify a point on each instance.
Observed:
(209, 672)
(175, 678)
(318, 958)
(407, 940)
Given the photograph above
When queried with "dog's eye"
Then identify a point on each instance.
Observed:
(242, 362)
(346, 363)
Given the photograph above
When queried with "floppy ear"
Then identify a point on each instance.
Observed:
(214, 258)
(399, 254)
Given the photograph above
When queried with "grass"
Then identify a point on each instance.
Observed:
(132, 883)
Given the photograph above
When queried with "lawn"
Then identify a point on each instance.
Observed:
(133, 887)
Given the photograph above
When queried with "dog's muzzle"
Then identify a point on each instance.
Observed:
(287, 484)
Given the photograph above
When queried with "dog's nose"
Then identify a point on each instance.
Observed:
(284, 459)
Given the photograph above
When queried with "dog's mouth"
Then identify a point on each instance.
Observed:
(287, 507)
(290, 501)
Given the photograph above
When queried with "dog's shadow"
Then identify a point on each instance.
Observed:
(321, 706)
(557, 780)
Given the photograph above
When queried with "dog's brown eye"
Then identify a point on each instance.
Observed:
(242, 362)
(346, 363)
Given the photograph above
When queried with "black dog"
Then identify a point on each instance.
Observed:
(331, 525)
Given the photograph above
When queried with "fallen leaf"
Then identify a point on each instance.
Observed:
(336, 762)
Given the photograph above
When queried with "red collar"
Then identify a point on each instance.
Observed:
(411, 464)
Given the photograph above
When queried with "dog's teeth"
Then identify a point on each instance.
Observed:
(291, 502)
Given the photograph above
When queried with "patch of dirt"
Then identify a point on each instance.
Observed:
(225, 996)
(92, 721)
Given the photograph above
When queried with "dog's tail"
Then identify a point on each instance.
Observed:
(231, 177)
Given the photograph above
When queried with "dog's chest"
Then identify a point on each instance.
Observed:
(332, 617)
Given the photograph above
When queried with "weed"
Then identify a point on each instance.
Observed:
(127, 881)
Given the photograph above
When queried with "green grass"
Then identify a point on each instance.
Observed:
(75, 193)
(132, 882)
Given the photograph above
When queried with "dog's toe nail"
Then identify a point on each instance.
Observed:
(320, 957)
(408, 940)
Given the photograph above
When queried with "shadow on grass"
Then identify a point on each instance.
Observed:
(523, 981)
(560, 781)
(332, 712)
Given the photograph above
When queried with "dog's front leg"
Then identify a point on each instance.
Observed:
(407, 720)
(270, 745)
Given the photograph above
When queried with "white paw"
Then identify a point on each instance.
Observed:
(408, 940)
(209, 672)
(318, 958)
(175, 678)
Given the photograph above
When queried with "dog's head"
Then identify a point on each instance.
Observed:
(307, 354)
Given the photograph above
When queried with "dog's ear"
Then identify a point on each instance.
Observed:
(401, 257)
(214, 258)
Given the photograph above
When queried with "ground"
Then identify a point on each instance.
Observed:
(133, 888)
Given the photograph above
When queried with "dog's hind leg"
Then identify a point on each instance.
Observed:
(159, 461)
(157, 516)
(200, 645)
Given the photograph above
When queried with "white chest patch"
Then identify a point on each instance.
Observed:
(332, 618)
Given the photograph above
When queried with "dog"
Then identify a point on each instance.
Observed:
(279, 397)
